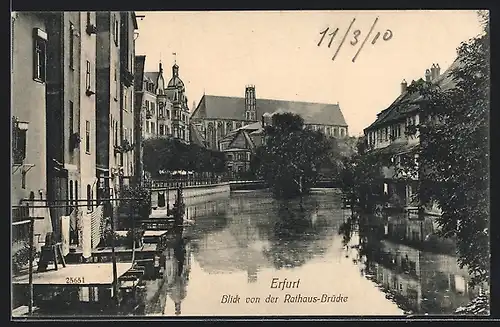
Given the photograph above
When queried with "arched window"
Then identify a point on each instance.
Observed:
(220, 132)
(229, 126)
(211, 135)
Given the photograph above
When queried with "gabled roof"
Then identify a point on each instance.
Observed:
(195, 136)
(153, 76)
(224, 107)
(409, 102)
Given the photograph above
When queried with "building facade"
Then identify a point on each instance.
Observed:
(239, 145)
(164, 105)
(28, 102)
(395, 134)
(216, 116)
(128, 27)
(115, 99)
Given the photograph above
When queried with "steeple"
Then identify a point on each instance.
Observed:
(175, 70)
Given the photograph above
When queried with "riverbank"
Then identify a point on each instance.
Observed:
(189, 192)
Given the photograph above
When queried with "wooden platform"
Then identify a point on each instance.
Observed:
(77, 275)
(22, 311)
(155, 233)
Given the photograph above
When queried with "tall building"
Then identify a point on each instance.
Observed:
(54, 146)
(164, 106)
(216, 116)
(115, 119)
(128, 27)
(176, 93)
(29, 39)
(70, 110)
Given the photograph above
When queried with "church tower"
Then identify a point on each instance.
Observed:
(250, 103)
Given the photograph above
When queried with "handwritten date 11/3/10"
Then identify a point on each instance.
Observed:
(355, 37)
(75, 280)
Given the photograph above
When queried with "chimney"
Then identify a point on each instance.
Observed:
(437, 71)
(404, 85)
(433, 72)
(428, 75)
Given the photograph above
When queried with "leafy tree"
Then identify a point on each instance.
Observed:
(290, 159)
(453, 157)
(170, 154)
(361, 179)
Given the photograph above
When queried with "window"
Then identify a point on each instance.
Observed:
(161, 129)
(335, 132)
(88, 77)
(116, 81)
(71, 118)
(87, 136)
(39, 55)
(116, 133)
(89, 198)
(71, 45)
(153, 127)
(71, 199)
(116, 30)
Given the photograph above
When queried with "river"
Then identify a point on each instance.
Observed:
(240, 243)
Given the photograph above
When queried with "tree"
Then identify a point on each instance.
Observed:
(170, 154)
(290, 159)
(453, 157)
(361, 178)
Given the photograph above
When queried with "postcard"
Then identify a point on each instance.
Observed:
(250, 164)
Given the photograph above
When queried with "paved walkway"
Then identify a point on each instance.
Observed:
(85, 274)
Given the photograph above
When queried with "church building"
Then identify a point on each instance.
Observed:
(217, 116)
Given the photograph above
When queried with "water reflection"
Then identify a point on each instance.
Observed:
(239, 243)
(409, 262)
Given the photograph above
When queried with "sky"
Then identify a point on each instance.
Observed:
(220, 52)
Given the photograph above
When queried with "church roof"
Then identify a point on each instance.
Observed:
(175, 82)
(224, 107)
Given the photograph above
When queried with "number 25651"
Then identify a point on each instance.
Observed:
(75, 280)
